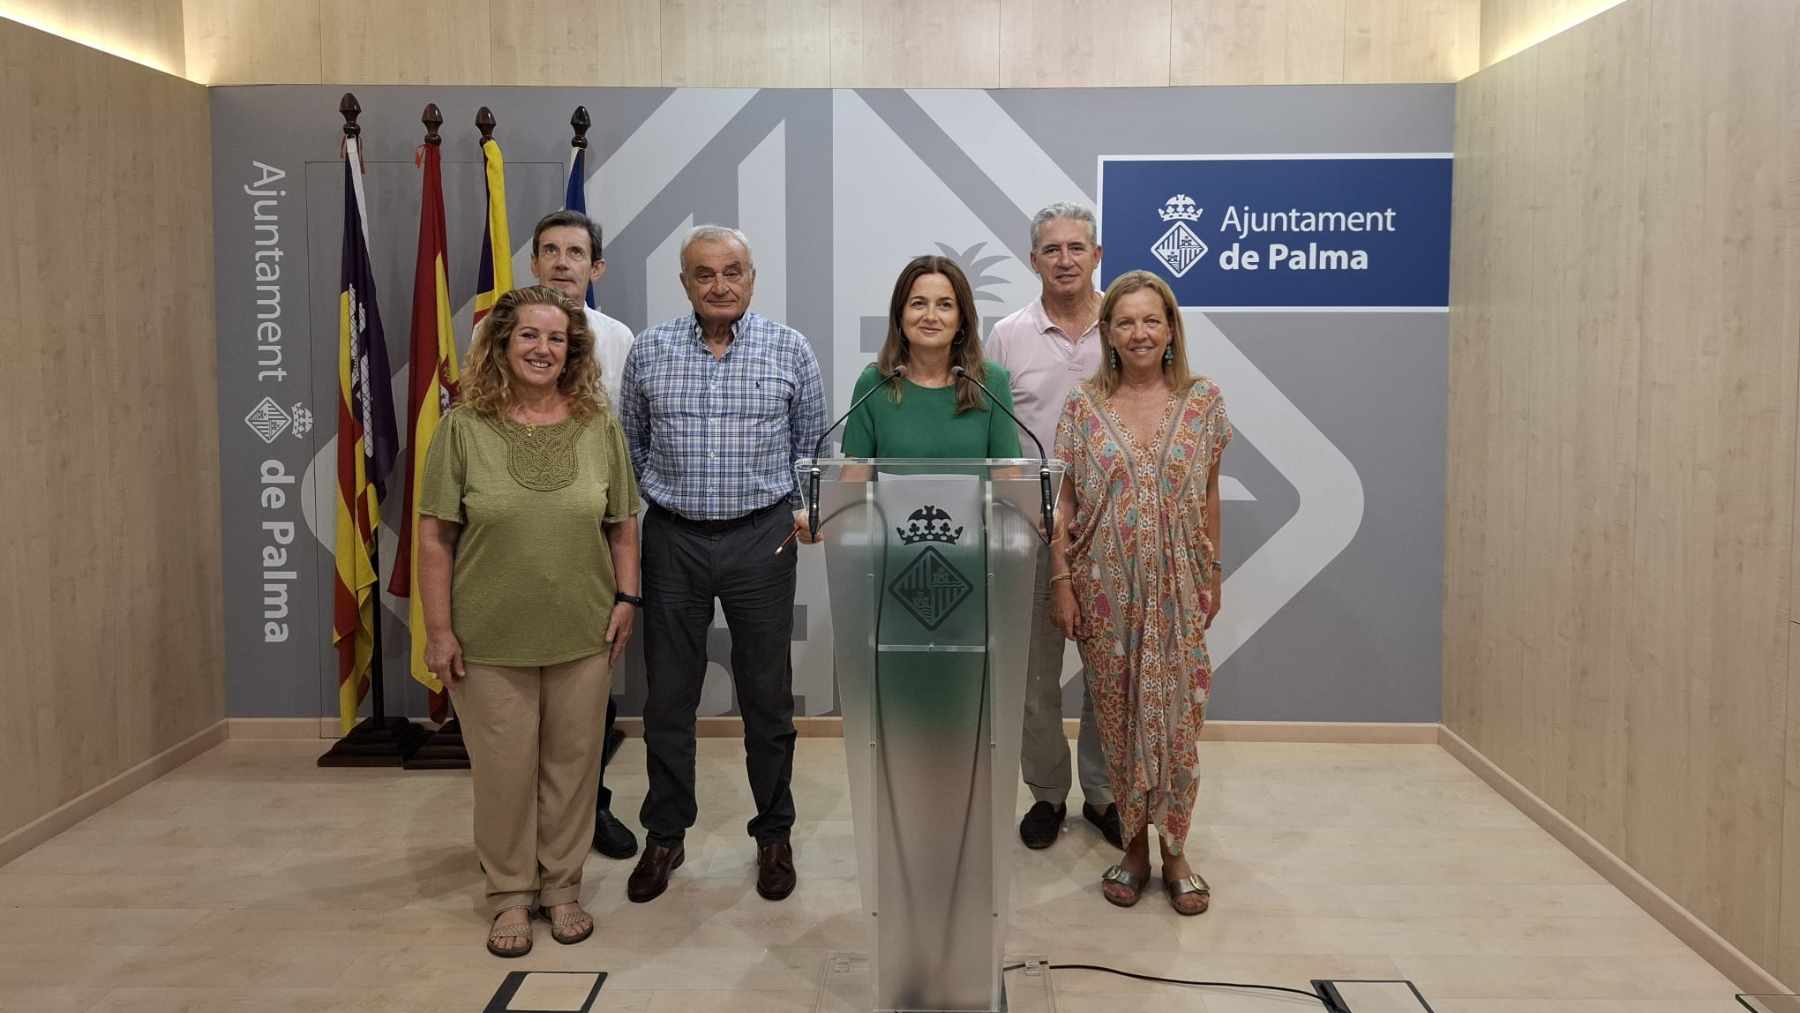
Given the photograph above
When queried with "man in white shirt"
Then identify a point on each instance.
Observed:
(566, 255)
(1048, 347)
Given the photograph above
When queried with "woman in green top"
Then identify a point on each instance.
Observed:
(528, 576)
(932, 326)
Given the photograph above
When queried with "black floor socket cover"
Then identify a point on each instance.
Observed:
(1336, 1002)
(502, 1000)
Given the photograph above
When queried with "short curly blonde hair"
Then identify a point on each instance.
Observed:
(487, 380)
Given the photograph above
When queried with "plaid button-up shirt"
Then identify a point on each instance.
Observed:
(714, 439)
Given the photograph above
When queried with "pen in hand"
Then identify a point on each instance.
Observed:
(785, 541)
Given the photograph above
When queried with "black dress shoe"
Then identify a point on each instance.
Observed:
(614, 839)
(1107, 821)
(613, 742)
(775, 876)
(651, 877)
(1041, 824)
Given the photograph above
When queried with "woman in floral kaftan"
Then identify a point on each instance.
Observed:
(1136, 573)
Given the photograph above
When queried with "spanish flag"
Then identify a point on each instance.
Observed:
(494, 278)
(366, 443)
(434, 375)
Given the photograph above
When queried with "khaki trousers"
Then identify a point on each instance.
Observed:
(534, 743)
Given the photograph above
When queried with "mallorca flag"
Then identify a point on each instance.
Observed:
(575, 195)
(494, 278)
(365, 449)
(434, 376)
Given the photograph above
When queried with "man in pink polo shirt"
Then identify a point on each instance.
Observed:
(1049, 346)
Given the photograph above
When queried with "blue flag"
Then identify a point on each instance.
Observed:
(575, 195)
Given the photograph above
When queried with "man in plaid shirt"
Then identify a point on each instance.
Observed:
(717, 406)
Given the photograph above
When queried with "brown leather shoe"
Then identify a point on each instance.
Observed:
(651, 877)
(775, 876)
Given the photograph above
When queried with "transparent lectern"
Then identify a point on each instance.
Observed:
(931, 566)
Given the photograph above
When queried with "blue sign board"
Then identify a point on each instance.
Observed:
(1354, 232)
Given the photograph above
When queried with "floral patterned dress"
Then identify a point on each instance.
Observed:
(1138, 557)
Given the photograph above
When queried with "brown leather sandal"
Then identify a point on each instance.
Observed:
(1191, 885)
(570, 927)
(1121, 876)
(499, 934)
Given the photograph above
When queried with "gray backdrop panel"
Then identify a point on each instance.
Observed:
(836, 189)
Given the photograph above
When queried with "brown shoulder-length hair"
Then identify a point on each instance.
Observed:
(1176, 370)
(965, 347)
(487, 379)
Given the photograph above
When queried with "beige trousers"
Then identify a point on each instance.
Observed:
(534, 740)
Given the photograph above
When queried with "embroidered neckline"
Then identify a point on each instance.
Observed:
(541, 458)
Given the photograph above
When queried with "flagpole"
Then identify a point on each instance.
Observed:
(378, 741)
(574, 196)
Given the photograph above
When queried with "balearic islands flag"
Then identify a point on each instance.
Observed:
(494, 277)
(366, 443)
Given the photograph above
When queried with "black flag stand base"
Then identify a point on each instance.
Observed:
(376, 742)
(443, 750)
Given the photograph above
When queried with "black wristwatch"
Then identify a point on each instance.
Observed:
(621, 598)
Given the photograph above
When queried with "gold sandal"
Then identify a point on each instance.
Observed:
(498, 933)
(563, 928)
(1123, 877)
(1191, 884)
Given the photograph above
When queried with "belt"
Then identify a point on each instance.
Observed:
(725, 524)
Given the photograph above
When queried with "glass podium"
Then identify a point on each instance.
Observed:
(931, 566)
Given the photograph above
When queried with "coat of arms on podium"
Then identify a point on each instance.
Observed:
(930, 587)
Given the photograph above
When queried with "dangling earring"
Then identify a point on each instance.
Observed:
(1169, 354)
(1115, 360)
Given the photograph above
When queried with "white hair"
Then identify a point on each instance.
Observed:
(1064, 209)
(717, 234)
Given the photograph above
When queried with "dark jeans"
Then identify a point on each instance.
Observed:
(687, 564)
(612, 716)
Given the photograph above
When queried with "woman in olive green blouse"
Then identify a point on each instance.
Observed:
(528, 568)
(932, 326)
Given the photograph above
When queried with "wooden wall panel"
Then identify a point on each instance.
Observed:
(1715, 463)
(1257, 42)
(406, 41)
(1787, 962)
(746, 43)
(1595, 92)
(595, 42)
(253, 41)
(1787, 965)
(145, 31)
(1508, 26)
(915, 43)
(1411, 40)
(1084, 43)
(1624, 392)
(1544, 415)
(828, 43)
(113, 640)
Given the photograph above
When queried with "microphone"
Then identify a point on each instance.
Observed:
(1049, 501)
(812, 479)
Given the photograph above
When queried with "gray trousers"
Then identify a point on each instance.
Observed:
(1044, 755)
(688, 564)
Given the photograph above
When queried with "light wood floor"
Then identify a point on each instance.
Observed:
(250, 880)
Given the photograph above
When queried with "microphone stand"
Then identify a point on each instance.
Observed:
(1049, 501)
(813, 477)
